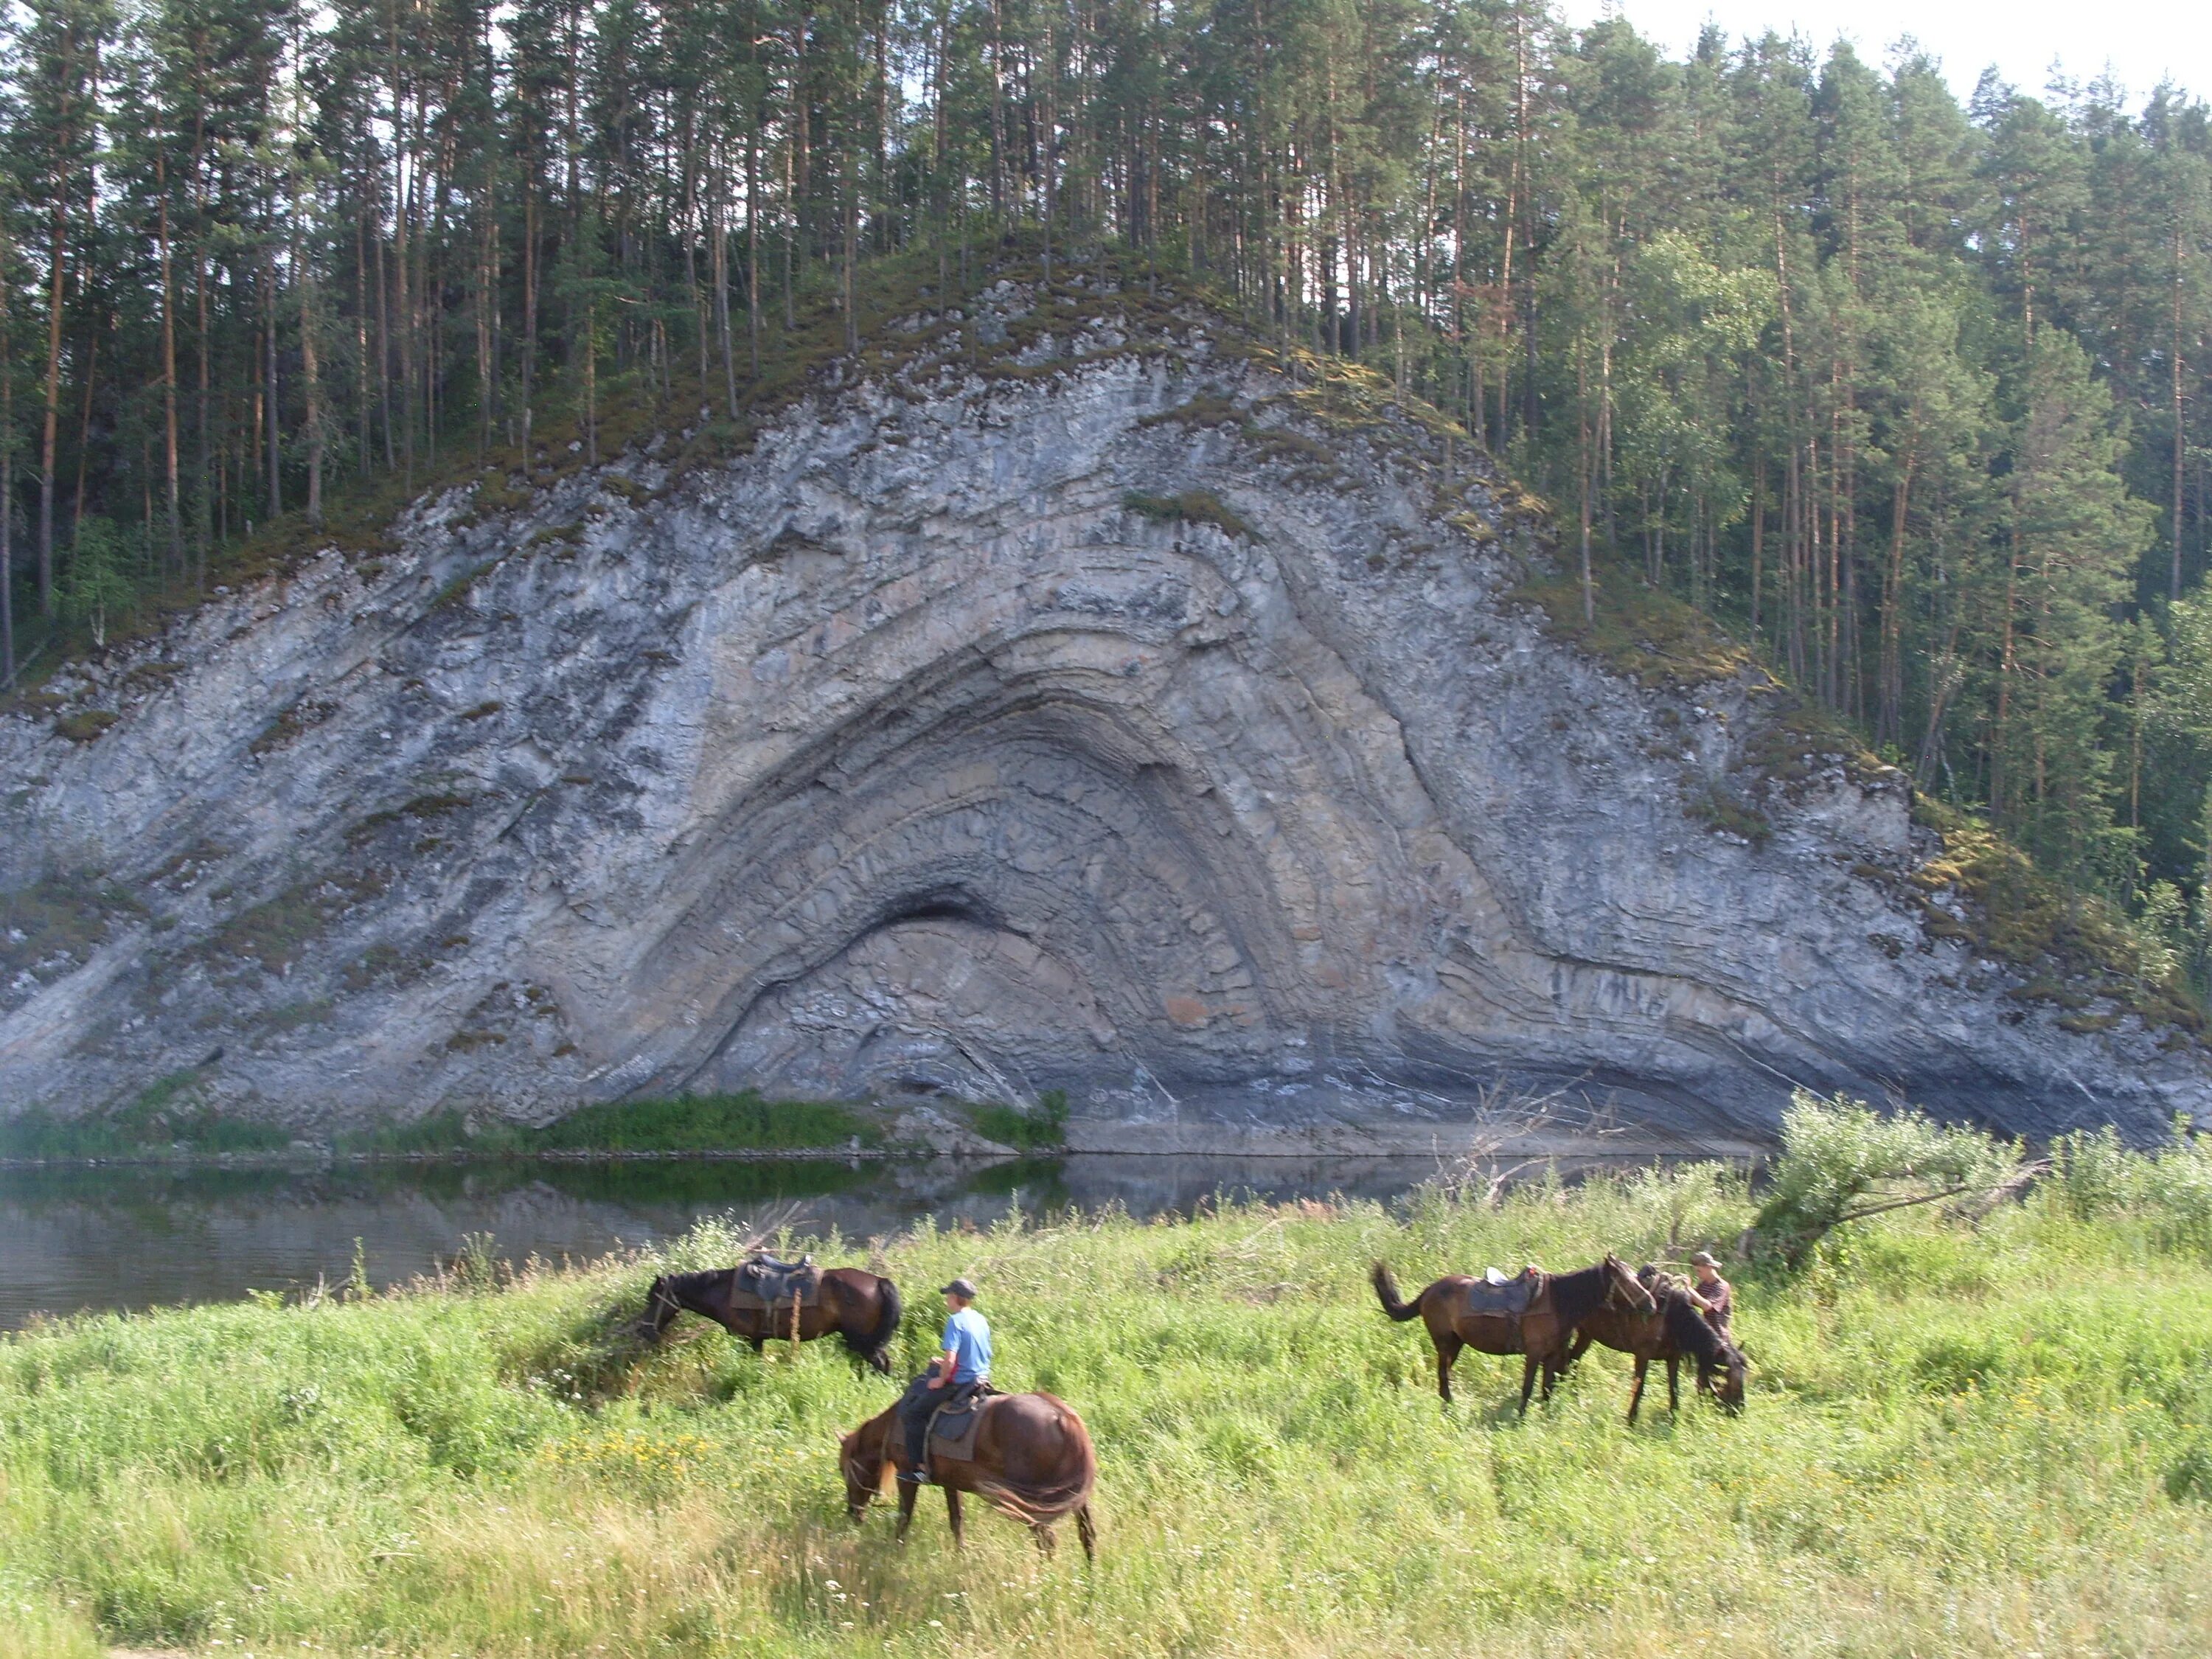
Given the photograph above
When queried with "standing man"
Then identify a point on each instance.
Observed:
(1714, 1294)
(964, 1363)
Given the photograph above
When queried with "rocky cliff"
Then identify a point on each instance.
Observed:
(1061, 697)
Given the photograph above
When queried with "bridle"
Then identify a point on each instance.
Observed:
(1616, 1274)
(869, 1491)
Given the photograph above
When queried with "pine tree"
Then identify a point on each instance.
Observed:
(1809, 345)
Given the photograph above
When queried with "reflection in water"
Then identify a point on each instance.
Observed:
(136, 1238)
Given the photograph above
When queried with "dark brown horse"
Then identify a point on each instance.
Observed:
(1541, 1334)
(1031, 1459)
(1675, 1331)
(860, 1307)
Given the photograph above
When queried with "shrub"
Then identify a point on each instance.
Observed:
(167, 1115)
(2191, 1475)
(1841, 1159)
(2093, 1173)
(1189, 506)
(2169, 1189)
(86, 726)
(1039, 1128)
(738, 1122)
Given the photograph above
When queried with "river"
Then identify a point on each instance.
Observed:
(123, 1236)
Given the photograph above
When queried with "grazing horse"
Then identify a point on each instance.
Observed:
(1541, 1334)
(1031, 1459)
(860, 1307)
(1675, 1331)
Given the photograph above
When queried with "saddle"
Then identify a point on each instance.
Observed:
(1504, 1296)
(766, 1284)
(952, 1426)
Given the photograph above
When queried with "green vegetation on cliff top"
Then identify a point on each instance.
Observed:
(1964, 1437)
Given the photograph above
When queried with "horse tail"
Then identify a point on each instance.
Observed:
(1385, 1291)
(870, 1345)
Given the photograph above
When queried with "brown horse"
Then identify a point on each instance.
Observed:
(1031, 1459)
(1541, 1334)
(1673, 1332)
(860, 1307)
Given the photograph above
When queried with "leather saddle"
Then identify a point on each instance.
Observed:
(952, 1426)
(1505, 1295)
(763, 1283)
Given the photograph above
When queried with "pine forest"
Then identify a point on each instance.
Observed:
(1911, 393)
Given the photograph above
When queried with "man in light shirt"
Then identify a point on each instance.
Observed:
(963, 1364)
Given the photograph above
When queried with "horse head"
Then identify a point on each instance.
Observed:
(660, 1307)
(1623, 1286)
(1723, 1378)
(863, 1469)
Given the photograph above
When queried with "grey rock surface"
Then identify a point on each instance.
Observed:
(931, 750)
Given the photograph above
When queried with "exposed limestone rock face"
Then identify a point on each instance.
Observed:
(979, 737)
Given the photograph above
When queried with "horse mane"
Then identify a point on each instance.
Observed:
(694, 1282)
(880, 1423)
(1687, 1330)
(1576, 1296)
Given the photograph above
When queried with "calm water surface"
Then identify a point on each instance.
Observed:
(135, 1238)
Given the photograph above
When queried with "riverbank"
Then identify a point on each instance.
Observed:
(1964, 1436)
(172, 1128)
(745, 1126)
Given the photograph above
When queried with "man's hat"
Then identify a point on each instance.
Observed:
(960, 1287)
(1702, 1259)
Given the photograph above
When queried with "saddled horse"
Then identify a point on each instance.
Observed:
(1451, 1309)
(861, 1307)
(1675, 1331)
(1030, 1458)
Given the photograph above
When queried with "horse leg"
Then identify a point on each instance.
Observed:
(907, 1489)
(1448, 1349)
(953, 1514)
(1528, 1381)
(1046, 1542)
(1674, 1384)
(1087, 1530)
(1635, 1388)
(1581, 1346)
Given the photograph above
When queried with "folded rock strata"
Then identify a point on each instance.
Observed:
(1107, 725)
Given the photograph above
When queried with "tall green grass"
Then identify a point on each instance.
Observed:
(1964, 1438)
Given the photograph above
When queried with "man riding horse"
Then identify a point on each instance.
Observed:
(962, 1367)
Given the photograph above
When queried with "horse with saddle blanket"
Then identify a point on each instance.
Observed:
(1026, 1454)
(1534, 1314)
(763, 1299)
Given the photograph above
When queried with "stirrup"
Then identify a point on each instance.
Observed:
(914, 1478)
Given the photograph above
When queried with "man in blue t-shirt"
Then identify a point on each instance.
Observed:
(964, 1363)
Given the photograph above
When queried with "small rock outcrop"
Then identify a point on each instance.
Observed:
(1113, 713)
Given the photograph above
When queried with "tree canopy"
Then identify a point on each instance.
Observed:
(1907, 391)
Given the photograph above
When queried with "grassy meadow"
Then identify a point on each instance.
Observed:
(1966, 1436)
